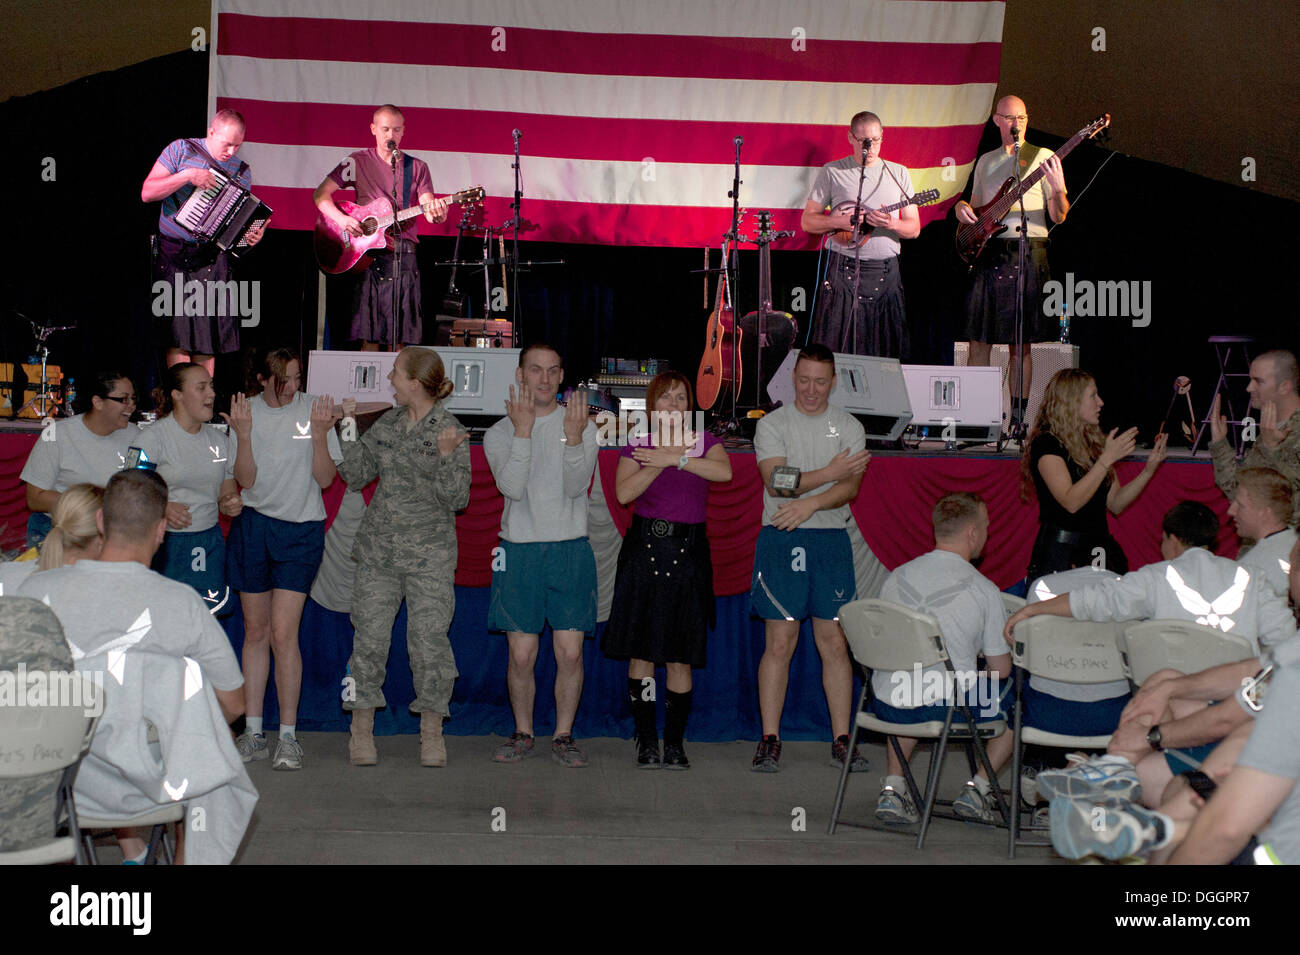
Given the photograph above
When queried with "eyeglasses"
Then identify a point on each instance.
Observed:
(123, 399)
(868, 141)
(1012, 118)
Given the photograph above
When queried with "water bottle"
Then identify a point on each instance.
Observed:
(1065, 328)
(69, 396)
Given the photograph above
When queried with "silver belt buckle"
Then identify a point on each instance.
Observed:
(660, 527)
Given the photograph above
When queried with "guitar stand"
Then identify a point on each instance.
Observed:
(46, 401)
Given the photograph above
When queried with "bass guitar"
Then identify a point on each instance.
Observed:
(771, 334)
(973, 236)
(336, 251)
(846, 236)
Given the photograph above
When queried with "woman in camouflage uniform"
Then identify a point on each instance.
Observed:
(406, 548)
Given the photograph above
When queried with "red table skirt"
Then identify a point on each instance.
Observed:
(892, 510)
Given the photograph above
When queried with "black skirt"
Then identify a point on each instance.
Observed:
(991, 299)
(1056, 550)
(663, 595)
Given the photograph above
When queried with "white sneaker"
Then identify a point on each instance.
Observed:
(895, 807)
(1081, 828)
(288, 754)
(974, 805)
(251, 746)
(1101, 777)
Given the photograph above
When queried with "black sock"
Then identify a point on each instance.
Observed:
(643, 711)
(678, 707)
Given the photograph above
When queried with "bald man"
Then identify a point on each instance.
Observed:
(186, 165)
(991, 301)
(370, 172)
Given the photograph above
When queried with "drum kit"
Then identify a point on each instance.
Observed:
(53, 396)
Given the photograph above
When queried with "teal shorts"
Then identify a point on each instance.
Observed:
(548, 582)
(802, 573)
(198, 558)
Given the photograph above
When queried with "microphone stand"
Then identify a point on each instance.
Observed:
(516, 222)
(854, 221)
(731, 278)
(397, 252)
(1018, 426)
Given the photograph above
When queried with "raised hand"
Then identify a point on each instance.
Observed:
(323, 416)
(1271, 433)
(240, 418)
(449, 439)
(522, 412)
(1158, 451)
(1218, 422)
(1119, 446)
(575, 417)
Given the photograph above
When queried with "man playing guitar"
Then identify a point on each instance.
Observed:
(370, 173)
(991, 302)
(874, 324)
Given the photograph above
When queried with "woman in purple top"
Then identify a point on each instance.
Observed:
(663, 595)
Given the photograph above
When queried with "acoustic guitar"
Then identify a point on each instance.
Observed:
(721, 339)
(337, 252)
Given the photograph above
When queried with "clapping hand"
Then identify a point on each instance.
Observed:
(1271, 434)
(575, 417)
(240, 418)
(449, 439)
(522, 412)
(1218, 422)
(1119, 446)
(1158, 451)
(323, 416)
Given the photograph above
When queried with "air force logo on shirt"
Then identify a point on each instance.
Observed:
(304, 431)
(217, 456)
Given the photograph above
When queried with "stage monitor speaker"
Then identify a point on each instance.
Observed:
(481, 376)
(869, 388)
(968, 401)
(1048, 359)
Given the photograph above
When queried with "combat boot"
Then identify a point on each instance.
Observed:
(361, 746)
(433, 748)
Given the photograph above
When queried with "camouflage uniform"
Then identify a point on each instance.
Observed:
(406, 547)
(30, 634)
(1284, 459)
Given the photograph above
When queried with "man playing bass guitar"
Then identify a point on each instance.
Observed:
(370, 173)
(991, 301)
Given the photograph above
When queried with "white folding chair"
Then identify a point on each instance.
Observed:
(888, 637)
(52, 739)
(1177, 645)
(1011, 602)
(1069, 651)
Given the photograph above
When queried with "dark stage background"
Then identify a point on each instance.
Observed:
(1218, 257)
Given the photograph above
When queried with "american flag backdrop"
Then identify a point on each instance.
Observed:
(628, 110)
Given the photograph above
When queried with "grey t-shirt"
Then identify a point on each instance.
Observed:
(1270, 559)
(544, 480)
(193, 465)
(125, 604)
(1274, 748)
(69, 453)
(807, 443)
(1053, 585)
(282, 450)
(13, 573)
(886, 184)
(968, 607)
(994, 168)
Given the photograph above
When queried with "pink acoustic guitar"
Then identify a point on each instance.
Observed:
(336, 251)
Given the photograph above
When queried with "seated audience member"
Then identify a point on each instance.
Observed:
(74, 535)
(1210, 815)
(115, 602)
(30, 637)
(970, 613)
(1261, 509)
(1170, 710)
(86, 448)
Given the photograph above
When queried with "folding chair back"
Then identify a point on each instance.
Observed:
(1177, 645)
(1011, 602)
(1068, 650)
(887, 636)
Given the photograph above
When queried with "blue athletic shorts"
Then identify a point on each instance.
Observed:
(801, 573)
(1051, 714)
(265, 553)
(986, 710)
(547, 582)
(198, 558)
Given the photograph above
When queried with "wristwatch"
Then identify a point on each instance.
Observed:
(1154, 737)
(682, 461)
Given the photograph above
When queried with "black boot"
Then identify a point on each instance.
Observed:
(647, 737)
(678, 707)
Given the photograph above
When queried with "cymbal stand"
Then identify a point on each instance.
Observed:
(46, 401)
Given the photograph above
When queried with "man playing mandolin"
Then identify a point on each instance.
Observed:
(370, 173)
(874, 324)
(991, 301)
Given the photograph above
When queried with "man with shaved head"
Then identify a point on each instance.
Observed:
(991, 301)
(370, 172)
(1275, 397)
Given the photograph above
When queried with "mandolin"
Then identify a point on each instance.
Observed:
(863, 230)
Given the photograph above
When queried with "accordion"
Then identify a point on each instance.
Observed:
(223, 214)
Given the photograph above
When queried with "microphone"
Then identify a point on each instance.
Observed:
(1015, 134)
(515, 133)
(739, 140)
